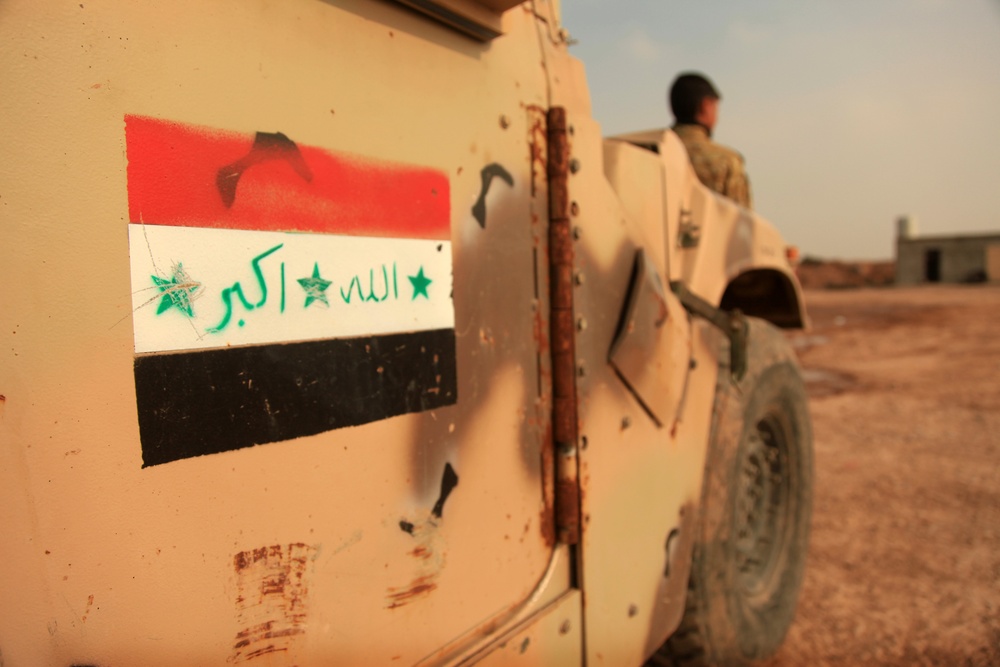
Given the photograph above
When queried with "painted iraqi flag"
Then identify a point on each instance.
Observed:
(281, 290)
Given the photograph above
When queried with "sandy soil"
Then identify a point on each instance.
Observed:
(904, 562)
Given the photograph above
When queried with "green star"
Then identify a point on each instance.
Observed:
(315, 287)
(420, 283)
(177, 291)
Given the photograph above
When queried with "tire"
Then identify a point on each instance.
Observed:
(753, 527)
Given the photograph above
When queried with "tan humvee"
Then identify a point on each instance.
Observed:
(335, 333)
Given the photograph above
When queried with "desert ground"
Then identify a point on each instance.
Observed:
(904, 559)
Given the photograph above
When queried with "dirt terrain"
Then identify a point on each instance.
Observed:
(904, 561)
(815, 273)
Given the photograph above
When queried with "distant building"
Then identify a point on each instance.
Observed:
(944, 259)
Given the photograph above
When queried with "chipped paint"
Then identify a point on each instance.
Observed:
(538, 142)
(419, 588)
(428, 556)
(86, 611)
(428, 552)
(271, 601)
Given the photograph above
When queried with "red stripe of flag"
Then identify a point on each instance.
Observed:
(174, 179)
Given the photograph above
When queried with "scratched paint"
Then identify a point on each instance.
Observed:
(272, 596)
(427, 548)
(196, 288)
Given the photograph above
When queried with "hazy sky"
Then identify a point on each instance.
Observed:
(849, 112)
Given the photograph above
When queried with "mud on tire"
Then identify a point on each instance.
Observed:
(753, 530)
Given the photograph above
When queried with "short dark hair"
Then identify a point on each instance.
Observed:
(686, 94)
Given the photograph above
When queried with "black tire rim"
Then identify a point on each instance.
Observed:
(763, 504)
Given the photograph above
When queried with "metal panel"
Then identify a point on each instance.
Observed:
(356, 544)
(640, 481)
(552, 638)
(647, 334)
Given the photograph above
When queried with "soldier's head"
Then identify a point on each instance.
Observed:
(694, 100)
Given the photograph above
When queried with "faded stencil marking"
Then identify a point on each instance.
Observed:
(271, 599)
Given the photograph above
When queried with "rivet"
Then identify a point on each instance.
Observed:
(574, 209)
(564, 628)
(572, 130)
(578, 278)
(626, 421)
(581, 370)
(581, 324)
(574, 165)
(504, 121)
(577, 233)
(583, 442)
(693, 364)
(632, 610)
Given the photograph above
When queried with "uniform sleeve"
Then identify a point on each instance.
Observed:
(737, 185)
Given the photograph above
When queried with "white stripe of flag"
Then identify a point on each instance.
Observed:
(198, 288)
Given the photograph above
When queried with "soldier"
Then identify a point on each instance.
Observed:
(695, 104)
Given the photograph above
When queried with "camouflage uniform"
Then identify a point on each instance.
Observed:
(718, 167)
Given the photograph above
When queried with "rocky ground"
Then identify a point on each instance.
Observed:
(904, 562)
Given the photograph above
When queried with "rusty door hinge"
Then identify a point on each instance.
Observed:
(562, 332)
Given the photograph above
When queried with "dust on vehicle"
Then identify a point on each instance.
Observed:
(340, 333)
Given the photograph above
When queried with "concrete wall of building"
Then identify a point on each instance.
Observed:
(993, 262)
(959, 259)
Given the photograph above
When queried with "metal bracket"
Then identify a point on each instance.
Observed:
(733, 323)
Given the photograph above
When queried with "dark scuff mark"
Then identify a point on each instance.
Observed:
(487, 174)
(449, 480)
(406, 526)
(266, 146)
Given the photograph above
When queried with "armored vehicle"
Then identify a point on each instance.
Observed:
(335, 333)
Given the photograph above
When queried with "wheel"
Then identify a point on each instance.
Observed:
(753, 526)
